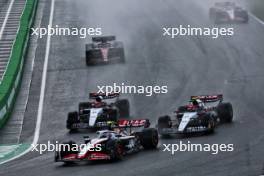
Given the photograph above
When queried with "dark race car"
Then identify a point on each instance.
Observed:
(228, 12)
(98, 113)
(201, 115)
(104, 49)
(111, 144)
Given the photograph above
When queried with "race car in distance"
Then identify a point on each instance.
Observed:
(104, 49)
(111, 144)
(201, 115)
(98, 113)
(226, 12)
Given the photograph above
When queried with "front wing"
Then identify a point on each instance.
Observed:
(189, 130)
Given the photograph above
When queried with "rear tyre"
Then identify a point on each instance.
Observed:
(212, 14)
(89, 50)
(124, 108)
(246, 18)
(113, 115)
(122, 55)
(225, 112)
(164, 122)
(149, 138)
(72, 118)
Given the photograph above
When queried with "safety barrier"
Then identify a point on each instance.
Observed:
(10, 84)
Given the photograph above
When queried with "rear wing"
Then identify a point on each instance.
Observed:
(103, 39)
(124, 123)
(103, 95)
(208, 98)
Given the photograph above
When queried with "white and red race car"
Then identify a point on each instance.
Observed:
(103, 50)
(97, 113)
(226, 12)
(111, 144)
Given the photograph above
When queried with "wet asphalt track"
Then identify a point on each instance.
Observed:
(187, 65)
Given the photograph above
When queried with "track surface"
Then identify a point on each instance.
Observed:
(188, 65)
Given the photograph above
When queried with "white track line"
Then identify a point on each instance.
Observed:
(6, 18)
(42, 90)
(256, 18)
(44, 78)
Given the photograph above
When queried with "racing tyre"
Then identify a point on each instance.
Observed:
(212, 14)
(149, 138)
(115, 150)
(225, 112)
(120, 47)
(89, 49)
(84, 105)
(113, 115)
(122, 55)
(64, 151)
(217, 18)
(72, 118)
(123, 106)
(211, 125)
(164, 122)
(246, 18)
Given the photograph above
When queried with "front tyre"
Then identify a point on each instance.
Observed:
(115, 150)
(65, 149)
(163, 123)
(72, 119)
(211, 125)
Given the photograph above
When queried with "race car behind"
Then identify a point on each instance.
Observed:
(104, 49)
(98, 114)
(110, 144)
(228, 12)
(202, 114)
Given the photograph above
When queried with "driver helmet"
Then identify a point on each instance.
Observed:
(87, 139)
(197, 102)
(99, 99)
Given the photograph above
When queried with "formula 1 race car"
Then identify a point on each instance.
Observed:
(98, 113)
(110, 144)
(104, 50)
(201, 115)
(226, 12)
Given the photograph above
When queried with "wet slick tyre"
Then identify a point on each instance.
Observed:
(84, 105)
(65, 149)
(115, 150)
(124, 107)
(72, 118)
(149, 138)
(164, 122)
(211, 126)
(225, 112)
